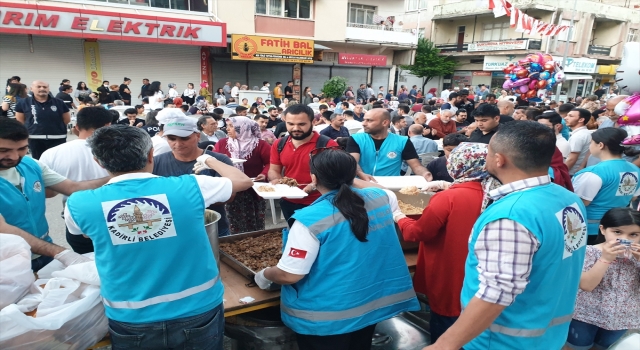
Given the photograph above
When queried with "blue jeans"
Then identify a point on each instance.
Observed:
(583, 336)
(203, 331)
(439, 324)
(40, 262)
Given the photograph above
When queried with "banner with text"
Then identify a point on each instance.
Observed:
(263, 48)
(498, 63)
(498, 45)
(92, 64)
(362, 60)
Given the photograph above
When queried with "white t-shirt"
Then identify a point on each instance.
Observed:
(302, 248)
(173, 93)
(153, 101)
(352, 124)
(445, 95)
(213, 189)
(579, 143)
(320, 127)
(587, 185)
(563, 146)
(49, 176)
(74, 161)
(160, 145)
(234, 92)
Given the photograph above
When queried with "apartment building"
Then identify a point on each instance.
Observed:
(188, 41)
(483, 45)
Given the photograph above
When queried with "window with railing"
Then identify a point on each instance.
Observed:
(361, 14)
(414, 5)
(284, 8)
(181, 5)
(633, 35)
(495, 31)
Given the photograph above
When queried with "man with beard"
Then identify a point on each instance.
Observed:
(24, 182)
(380, 152)
(292, 153)
(183, 136)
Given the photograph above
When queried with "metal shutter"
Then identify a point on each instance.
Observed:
(380, 77)
(52, 60)
(179, 64)
(228, 71)
(354, 76)
(271, 72)
(314, 77)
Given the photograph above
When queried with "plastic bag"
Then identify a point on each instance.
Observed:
(15, 269)
(70, 315)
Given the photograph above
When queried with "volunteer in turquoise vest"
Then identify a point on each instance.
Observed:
(526, 251)
(612, 183)
(379, 152)
(342, 268)
(23, 182)
(160, 284)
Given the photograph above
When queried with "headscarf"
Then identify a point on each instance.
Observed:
(467, 163)
(247, 139)
(560, 171)
(204, 84)
(432, 91)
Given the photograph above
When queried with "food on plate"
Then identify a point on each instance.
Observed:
(256, 253)
(266, 189)
(289, 182)
(408, 209)
(410, 190)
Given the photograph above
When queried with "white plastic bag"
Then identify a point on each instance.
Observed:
(70, 315)
(15, 269)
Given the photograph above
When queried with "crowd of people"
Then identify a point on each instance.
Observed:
(546, 190)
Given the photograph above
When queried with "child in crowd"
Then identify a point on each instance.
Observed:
(608, 302)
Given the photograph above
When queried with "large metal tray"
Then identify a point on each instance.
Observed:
(237, 265)
(420, 200)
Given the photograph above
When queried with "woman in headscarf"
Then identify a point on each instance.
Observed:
(430, 94)
(246, 212)
(204, 91)
(443, 233)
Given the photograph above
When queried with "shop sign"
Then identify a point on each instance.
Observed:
(92, 64)
(578, 65)
(264, 48)
(362, 60)
(498, 45)
(205, 65)
(498, 63)
(18, 18)
(481, 74)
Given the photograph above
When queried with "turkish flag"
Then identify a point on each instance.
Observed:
(298, 253)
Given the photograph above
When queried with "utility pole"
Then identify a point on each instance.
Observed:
(566, 46)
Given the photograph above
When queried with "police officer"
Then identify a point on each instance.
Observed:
(160, 283)
(46, 118)
(336, 286)
(609, 184)
(537, 232)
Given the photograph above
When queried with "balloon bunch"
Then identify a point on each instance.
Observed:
(537, 71)
(629, 110)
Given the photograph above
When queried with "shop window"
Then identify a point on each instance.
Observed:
(284, 8)
(182, 5)
(633, 35)
(414, 5)
(495, 31)
(361, 14)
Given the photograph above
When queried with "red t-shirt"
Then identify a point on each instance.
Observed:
(443, 232)
(417, 107)
(296, 164)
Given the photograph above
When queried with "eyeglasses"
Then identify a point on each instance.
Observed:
(319, 150)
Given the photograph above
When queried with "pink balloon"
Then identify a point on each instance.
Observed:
(524, 89)
(521, 82)
(508, 84)
(532, 84)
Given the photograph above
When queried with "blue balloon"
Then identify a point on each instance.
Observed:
(535, 67)
(514, 77)
(545, 75)
(535, 76)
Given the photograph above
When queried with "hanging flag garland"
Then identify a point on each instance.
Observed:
(523, 22)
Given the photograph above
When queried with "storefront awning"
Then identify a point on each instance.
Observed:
(320, 47)
(577, 77)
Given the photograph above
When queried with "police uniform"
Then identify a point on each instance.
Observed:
(44, 122)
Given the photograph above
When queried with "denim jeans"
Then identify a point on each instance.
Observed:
(40, 262)
(584, 336)
(439, 324)
(203, 331)
(288, 208)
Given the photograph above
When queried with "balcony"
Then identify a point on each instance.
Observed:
(599, 50)
(379, 34)
(531, 44)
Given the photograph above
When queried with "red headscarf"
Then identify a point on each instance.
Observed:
(560, 171)
(432, 91)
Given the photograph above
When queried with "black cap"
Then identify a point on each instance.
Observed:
(464, 92)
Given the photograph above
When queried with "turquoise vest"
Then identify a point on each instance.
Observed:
(384, 162)
(539, 317)
(351, 284)
(619, 183)
(152, 252)
(26, 209)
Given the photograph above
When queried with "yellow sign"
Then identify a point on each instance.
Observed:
(92, 65)
(264, 48)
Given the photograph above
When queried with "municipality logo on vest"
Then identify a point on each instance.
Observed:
(627, 185)
(139, 219)
(574, 227)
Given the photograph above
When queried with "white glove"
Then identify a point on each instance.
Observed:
(393, 203)
(201, 163)
(262, 281)
(436, 186)
(68, 258)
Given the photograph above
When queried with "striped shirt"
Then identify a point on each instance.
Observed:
(505, 250)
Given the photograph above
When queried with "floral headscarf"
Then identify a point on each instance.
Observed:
(247, 139)
(467, 163)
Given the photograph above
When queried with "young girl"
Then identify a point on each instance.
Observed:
(608, 301)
